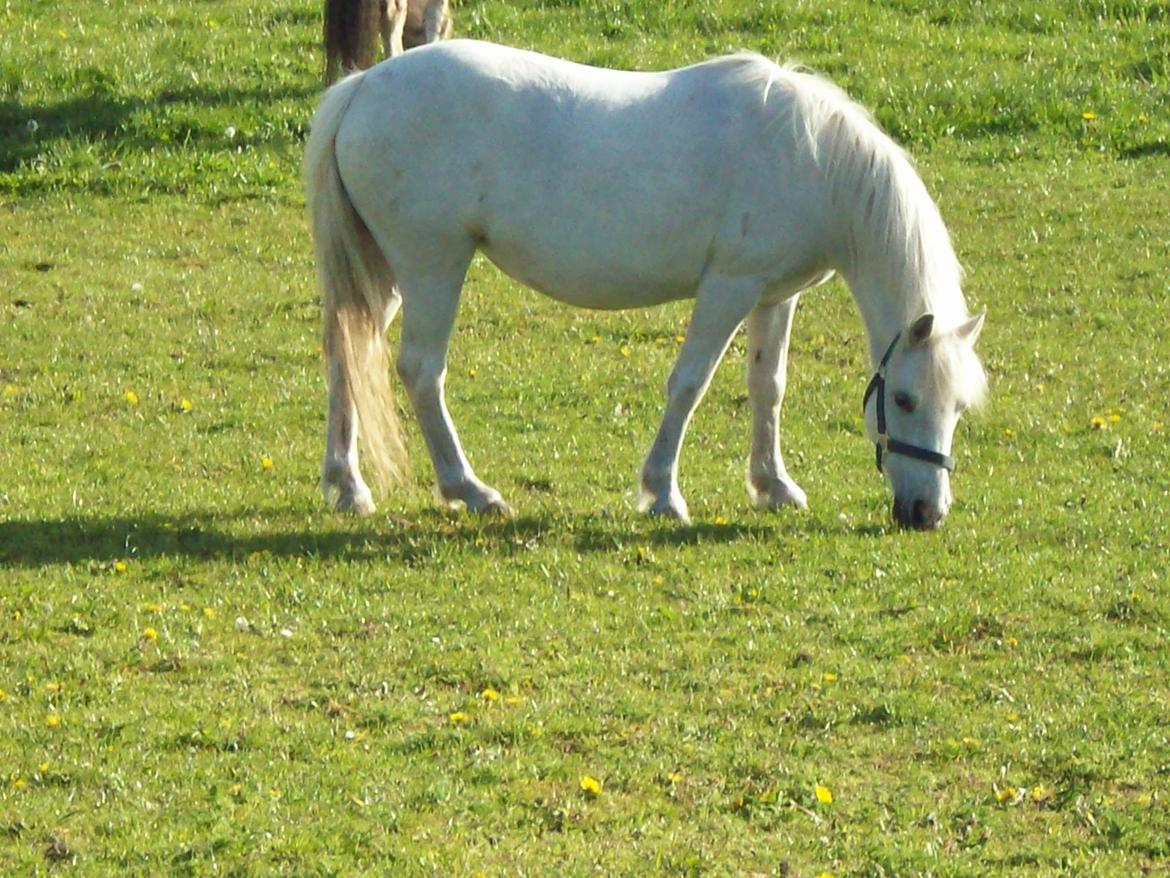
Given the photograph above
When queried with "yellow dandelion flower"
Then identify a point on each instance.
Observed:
(11, 390)
(590, 785)
(149, 634)
(1041, 794)
(457, 717)
(184, 608)
(1088, 115)
(152, 607)
(471, 373)
(52, 721)
(1142, 117)
(1009, 433)
(131, 397)
(43, 767)
(185, 405)
(266, 463)
(1005, 794)
(3, 694)
(825, 875)
(1097, 423)
(626, 350)
(1113, 417)
(824, 794)
(829, 677)
(674, 777)
(720, 521)
(119, 566)
(209, 612)
(490, 694)
(19, 783)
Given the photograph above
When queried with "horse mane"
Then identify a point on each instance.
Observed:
(894, 225)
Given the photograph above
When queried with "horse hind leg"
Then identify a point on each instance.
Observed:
(720, 307)
(428, 316)
(769, 328)
(341, 478)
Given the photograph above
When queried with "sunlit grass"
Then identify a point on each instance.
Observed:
(204, 670)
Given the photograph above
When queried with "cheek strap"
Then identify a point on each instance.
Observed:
(885, 443)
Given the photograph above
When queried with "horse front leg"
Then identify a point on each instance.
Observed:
(720, 308)
(428, 316)
(769, 328)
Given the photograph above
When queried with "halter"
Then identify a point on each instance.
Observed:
(886, 444)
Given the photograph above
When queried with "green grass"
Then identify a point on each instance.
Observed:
(203, 671)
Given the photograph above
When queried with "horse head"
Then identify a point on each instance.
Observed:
(925, 381)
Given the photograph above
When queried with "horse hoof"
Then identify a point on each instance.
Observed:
(675, 510)
(358, 505)
(777, 494)
(496, 508)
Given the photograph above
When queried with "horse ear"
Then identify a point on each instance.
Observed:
(920, 329)
(969, 331)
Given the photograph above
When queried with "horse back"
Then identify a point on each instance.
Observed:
(592, 185)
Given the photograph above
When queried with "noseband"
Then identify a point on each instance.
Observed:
(886, 444)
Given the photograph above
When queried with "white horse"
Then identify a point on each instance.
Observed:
(736, 182)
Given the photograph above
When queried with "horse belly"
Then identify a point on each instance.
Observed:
(604, 278)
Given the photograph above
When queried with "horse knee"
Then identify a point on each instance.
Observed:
(766, 390)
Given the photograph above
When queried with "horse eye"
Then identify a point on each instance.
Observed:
(904, 401)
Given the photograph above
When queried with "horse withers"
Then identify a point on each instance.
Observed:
(737, 183)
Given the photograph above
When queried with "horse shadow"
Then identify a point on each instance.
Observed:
(99, 541)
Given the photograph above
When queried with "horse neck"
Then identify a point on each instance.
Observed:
(895, 254)
(900, 270)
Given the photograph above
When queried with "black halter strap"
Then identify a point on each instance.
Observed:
(885, 444)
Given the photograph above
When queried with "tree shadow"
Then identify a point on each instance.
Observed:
(1148, 149)
(28, 129)
(103, 115)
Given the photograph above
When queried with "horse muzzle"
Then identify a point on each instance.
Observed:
(918, 514)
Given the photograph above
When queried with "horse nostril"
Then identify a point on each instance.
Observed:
(919, 515)
(923, 516)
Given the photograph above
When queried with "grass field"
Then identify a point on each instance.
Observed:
(204, 671)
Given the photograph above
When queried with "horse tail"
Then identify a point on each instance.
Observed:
(351, 35)
(357, 290)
